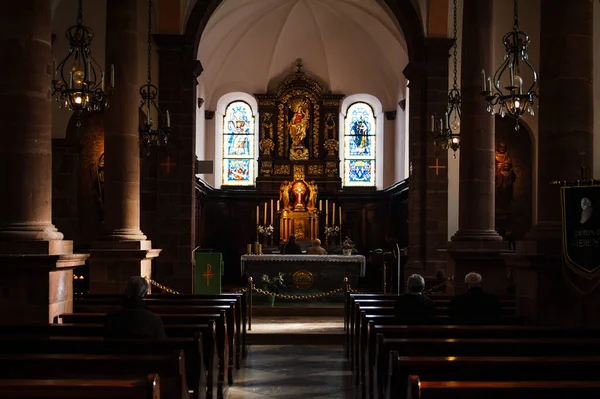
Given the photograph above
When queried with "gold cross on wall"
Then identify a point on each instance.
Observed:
(437, 167)
(168, 164)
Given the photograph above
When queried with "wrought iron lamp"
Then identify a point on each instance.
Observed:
(154, 129)
(514, 100)
(447, 131)
(78, 81)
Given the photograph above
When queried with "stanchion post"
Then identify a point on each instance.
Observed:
(250, 288)
(384, 277)
(346, 303)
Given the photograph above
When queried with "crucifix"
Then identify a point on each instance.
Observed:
(437, 167)
(168, 164)
(208, 274)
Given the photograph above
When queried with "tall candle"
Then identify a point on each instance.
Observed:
(265, 218)
(333, 215)
(326, 211)
(112, 76)
(482, 80)
(278, 202)
(320, 205)
(168, 119)
(446, 121)
(490, 85)
(102, 82)
(340, 217)
(257, 207)
(432, 123)
(272, 221)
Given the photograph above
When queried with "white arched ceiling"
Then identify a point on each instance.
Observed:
(352, 46)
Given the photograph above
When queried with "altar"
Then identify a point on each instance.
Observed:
(305, 274)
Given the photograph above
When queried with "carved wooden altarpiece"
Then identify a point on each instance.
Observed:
(299, 133)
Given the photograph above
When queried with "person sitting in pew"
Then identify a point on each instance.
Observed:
(134, 320)
(475, 306)
(316, 249)
(414, 307)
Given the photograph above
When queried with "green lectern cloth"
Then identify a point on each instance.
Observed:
(209, 269)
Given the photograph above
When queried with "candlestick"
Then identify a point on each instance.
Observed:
(265, 218)
(272, 222)
(112, 76)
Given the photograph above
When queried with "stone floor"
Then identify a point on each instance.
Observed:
(293, 372)
(296, 324)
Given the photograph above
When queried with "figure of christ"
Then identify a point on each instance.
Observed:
(297, 126)
(299, 190)
(505, 177)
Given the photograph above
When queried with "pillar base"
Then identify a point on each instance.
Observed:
(29, 232)
(483, 257)
(36, 287)
(113, 263)
(476, 235)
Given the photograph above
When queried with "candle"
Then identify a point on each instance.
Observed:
(326, 211)
(333, 215)
(340, 217)
(278, 202)
(432, 123)
(112, 76)
(490, 85)
(272, 222)
(320, 205)
(168, 119)
(482, 80)
(446, 121)
(248, 249)
(102, 81)
(265, 218)
(257, 207)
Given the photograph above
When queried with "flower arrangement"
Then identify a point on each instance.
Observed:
(348, 243)
(272, 283)
(332, 231)
(267, 231)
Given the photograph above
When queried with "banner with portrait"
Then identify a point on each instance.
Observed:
(581, 229)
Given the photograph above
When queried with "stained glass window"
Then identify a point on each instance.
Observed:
(359, 146)
(238, 145)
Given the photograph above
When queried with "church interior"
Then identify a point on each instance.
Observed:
(195, 143)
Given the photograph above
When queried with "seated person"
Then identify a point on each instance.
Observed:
(316, 249)
(291, 247)
(134, 320)
(475, 306)
(414, 307)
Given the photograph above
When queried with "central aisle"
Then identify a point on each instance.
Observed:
(293, 372)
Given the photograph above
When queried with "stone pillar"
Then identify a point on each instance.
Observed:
(476, 245)
(428, 188)
(36, 263)
(123, 250)
(565, 130)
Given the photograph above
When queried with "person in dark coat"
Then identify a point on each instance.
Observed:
(292, 247)
(134, 320)
(414, 307)
(475, 306)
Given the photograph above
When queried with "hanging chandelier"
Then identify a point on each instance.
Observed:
(513, 100)
(154, 129)
(78, 81)
(447, 131)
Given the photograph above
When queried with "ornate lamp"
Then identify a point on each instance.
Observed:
(513, 99)
(447, 130)
(78, 81)
(154, 129)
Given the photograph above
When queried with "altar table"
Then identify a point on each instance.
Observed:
(305, 274)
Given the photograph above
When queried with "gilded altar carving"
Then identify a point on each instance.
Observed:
(315, 170)
(266, 102)
(332, 146)
(330, 126)
(303, 279)
(282, 169)
(298, 172)
(298, 124)
(331, 103)
(266, 126)
(299, 214)
(266, 168)
(331, 169)
(266, 146)
(280, 130)
(316, 131)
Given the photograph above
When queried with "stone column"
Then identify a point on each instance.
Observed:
(36, 263)
(476, 245)
(123, 250)
(428, 188)
(565, 130)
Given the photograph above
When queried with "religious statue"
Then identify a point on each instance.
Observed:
(284, 194)
(312, 195)
(505, 177)
(299, 190)
(297, 128)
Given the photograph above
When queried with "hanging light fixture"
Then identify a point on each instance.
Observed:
(513, 100)
(447, 131)
(78, 81)
(154, 129)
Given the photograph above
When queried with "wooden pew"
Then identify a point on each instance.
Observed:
(190, 309)
(418, 389)
(205, 332)
(224, 345)
(506, 368)
(143, 388)
(241, 308)
(170, 368)
(474, 347)
(196, 373)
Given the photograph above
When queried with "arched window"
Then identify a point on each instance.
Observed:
(359, 146)
(238, 145)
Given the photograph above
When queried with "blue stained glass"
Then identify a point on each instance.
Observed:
(238, 145)
(237, 171)
(359, 172)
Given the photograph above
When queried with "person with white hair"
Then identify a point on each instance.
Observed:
(475, 306)
(414, 307)
(134, 320)
(316, 249)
